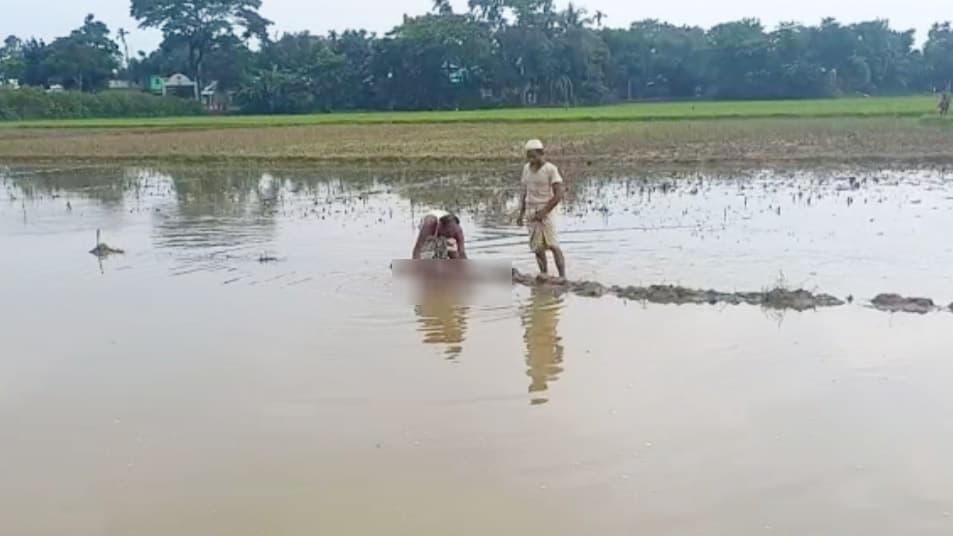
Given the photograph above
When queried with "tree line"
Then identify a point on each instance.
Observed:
(497, 53)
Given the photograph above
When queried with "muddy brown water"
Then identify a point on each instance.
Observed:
(188, 388)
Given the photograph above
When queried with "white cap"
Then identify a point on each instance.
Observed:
(534, 145)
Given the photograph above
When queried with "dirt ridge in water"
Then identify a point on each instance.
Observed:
(778, 298)
(896, 303)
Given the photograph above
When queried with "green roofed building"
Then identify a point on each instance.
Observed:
(156, 84)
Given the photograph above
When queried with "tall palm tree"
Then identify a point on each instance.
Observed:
(122, 33)
(488, 10)
(442, 7)
(575, 17)
(599, 17)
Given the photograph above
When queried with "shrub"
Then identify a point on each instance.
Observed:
(32, 103)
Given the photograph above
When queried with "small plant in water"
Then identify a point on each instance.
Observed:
(102, 250)
(781, 283)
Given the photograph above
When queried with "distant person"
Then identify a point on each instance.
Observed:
(944, 105)
(440, 237)
(542, 193)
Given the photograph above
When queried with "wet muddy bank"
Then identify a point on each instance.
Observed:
(895, 303)
(777, 298)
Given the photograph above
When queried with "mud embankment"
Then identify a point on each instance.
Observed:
(895, 303)
(778, 298)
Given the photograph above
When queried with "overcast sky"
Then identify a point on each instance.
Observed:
(51, 18)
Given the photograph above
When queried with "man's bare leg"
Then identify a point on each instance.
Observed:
(542, 262)
(560, 261)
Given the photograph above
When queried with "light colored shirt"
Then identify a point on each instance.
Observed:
(539, 184)
(437, 213)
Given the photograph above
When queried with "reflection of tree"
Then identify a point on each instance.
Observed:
(490, 197)
(215, 188)
(442, 320)
(544, 349)
(233, 205)
(105, 184)
(485, 198)
(216, 207)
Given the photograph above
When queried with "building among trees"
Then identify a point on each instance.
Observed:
(497, 53)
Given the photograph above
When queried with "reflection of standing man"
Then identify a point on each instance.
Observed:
(544, 349)
(542, 193)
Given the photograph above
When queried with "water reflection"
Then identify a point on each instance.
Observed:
(277, 383)
(217, 211)
(109, 185)
(442, 320)
(824, 229)
(544, 348)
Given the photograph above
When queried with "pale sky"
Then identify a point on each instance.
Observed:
(51, 18)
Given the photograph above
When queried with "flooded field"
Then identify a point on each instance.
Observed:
(245, 367)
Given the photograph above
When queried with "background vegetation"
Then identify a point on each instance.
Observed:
(499, 53)
(32, 103)
(615, 144)
(887, 107)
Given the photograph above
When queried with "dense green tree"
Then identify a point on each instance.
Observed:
(442, 7)
(582, 57)
(489, 11)
(35, 70)
(200, 24)
(172, 56)
(433, 61)
(356, 49)
(277, 92)
(227, 61)
(888, 55)
(84, 60)
(794, 73)
(938, 56)
(741, 60)
(11, 59)
(652, 59)
(298, 71)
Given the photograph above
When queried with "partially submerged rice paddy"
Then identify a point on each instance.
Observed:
(614, 144)
(250, 339)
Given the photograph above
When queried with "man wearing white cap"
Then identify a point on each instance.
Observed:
(542, 193)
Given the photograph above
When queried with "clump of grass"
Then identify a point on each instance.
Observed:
(780, 283)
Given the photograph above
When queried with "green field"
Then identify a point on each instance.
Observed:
(870, 130)
(915, 106)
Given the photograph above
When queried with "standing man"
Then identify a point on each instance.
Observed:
(542, 193)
